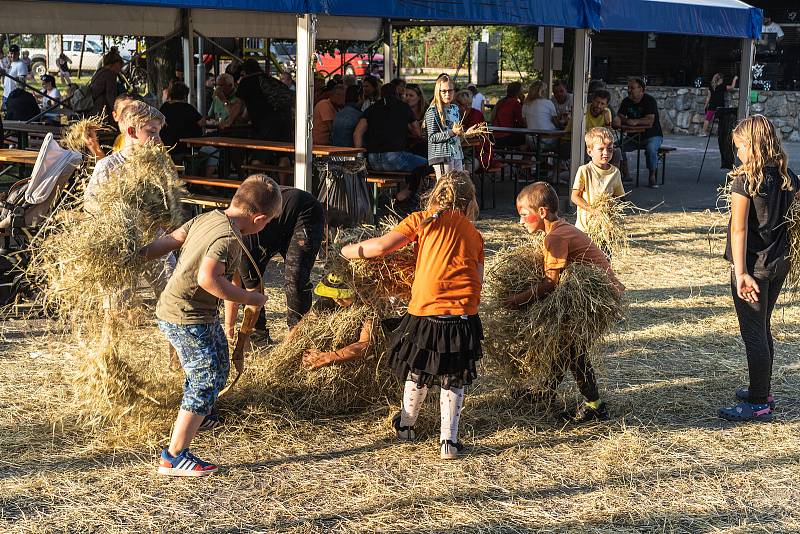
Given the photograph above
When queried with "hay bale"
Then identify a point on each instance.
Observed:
(338, 388)
(527, 344)
(606, 224)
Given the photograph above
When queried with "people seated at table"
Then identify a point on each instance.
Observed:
(415, 99)
(640, 110)
(400, 85)
(469, 115)
(540, 113)
(383, 131)
(181, 120)
(226, 109)
(370, 90)
(507, 113)
(563, 102)
(325, 112)
(53, 94)
(269, 103)
(21, 105)
(344, 124)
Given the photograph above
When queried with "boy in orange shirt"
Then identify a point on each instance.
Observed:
(564, 244)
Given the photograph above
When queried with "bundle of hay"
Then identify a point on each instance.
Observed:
(606, 225)
(76, 135)
(377, 279)
(530, 342)
(793, 219)
(82, 259)
(337, 388)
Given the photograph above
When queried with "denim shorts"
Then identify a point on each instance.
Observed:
(395, 161)
(203, 351)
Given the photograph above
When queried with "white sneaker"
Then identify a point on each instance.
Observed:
(450, 450)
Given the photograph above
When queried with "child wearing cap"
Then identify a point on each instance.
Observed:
(53, 94)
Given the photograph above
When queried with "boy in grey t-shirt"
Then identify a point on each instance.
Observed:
(187, 313)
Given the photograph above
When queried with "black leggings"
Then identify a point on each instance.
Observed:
(754, 324)
(581, 370)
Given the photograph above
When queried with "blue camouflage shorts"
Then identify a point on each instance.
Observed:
(203, 351)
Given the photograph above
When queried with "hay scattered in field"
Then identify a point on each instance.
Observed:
(338, 388)
(605, 225)
(529, 343)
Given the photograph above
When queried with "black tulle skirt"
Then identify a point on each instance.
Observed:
(437, 351)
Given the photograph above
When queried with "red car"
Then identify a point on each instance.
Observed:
(357, 64)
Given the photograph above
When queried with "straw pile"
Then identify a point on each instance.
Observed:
(606, 224)
(529, 343)
(87, 270)
(338, 388)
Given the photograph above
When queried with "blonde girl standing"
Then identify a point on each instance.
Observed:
(442, 122)
(439, 339)
(762, 190)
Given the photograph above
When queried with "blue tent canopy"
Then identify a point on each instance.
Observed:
(719, 18)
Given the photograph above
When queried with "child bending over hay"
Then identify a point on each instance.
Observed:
(762, 246)
(596, 193)
(577, 298)
(330, 361)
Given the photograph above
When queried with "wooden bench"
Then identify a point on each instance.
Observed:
(267, 168)
(384, 180)
(212, 182)
(206, 201)
(662, 157)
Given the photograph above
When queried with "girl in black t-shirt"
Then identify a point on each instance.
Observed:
(762, 190)
(715, 99)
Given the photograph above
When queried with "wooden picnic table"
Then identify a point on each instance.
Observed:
(530, 131)
(24, 129)
(269, 146)
(17, 155)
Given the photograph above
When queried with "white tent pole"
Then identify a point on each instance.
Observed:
(201, 78)
(745, 77)
(306, 36)
(580, 73)
(547, 59)
(387, 53)
(187, 40)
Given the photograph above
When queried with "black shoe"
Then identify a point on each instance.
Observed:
(262, 337)
(404, 433)
(744, 394)
(586, 413)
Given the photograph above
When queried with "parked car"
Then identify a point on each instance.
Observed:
(44, 60)
(357, 64)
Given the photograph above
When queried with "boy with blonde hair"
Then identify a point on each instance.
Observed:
(140, 123)
(564, 244)
(597, 177)
(187, 310)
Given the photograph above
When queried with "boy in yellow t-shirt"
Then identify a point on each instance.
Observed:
(596, 177)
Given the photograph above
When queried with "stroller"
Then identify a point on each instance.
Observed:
(27, 206)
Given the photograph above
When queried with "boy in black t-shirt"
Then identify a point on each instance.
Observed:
(182, 120)
(639, 109)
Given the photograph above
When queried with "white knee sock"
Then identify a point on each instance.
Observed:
(450, 403)
(413, 397)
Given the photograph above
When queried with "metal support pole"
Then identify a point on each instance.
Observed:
(187, 40)
(580, 75)
(387, 52)
(201, 79)
(547, 59)
(399, 56)
(306, 37)
(746, 77)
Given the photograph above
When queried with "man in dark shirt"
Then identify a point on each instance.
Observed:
(21, 105)
(270, 104)
(104, 86)
(640, 109)
(181, 120)
(297, 236)
(384, 132)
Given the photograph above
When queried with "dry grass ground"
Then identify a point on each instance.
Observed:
(664, 463)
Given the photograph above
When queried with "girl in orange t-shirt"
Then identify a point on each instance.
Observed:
(439, 339)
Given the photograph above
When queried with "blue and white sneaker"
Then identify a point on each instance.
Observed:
(185, 464)
(744, 411)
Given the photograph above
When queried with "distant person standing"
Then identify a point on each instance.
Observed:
(563, 101)
(770, 26)
(63, 68)
(17, 69)
(478, 100)
(104, 86)
(26, 58)
(716, 99)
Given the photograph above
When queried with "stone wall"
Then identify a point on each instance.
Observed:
(681, 108)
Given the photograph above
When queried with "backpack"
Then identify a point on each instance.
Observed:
(82, 101)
